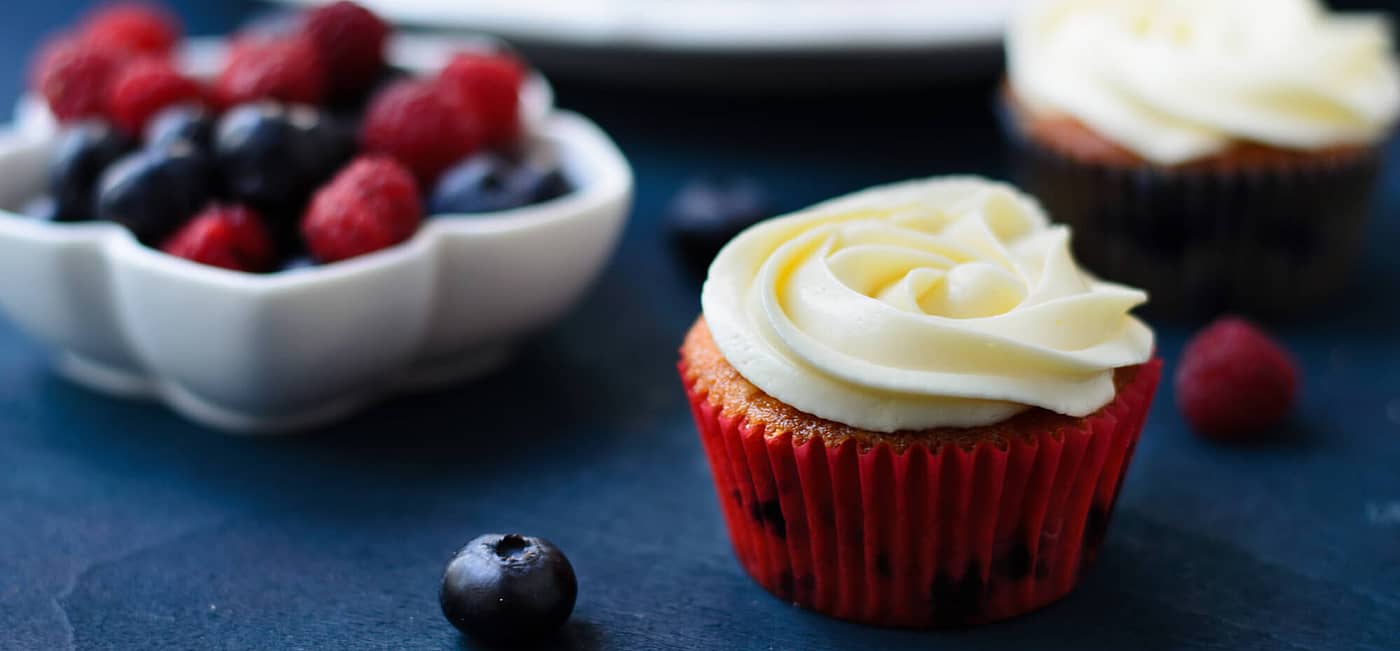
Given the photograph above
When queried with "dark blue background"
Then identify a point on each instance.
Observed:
(122, 526)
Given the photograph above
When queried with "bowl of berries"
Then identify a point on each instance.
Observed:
(270, 231)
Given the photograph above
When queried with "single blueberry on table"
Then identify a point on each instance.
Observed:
(272, 156)
(488, 182)
(508, 588)
(84, 151)
(706, 213)
(153, 191)
(184, 122)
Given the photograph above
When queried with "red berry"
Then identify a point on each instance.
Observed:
(490, 85)
(145, 87)
(74, 76)
(422, 126)
(370, 205)
(350, 40)
(286, 69)
(232, 237)
(1234, 380)
(135, 27)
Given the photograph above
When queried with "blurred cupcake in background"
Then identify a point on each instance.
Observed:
(917, 408)
(1220, 153)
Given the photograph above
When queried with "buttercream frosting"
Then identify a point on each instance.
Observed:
(938, 302)
(1178, 80)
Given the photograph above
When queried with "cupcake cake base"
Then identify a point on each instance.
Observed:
(942, 527)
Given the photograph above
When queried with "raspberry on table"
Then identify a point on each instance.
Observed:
(350, 40)
(422, 126)
(370, 205)
(74, 76)
(228, 236)
(287, 69)
(145, 87)
(489, 84)
(132, 26)
(1233, 380)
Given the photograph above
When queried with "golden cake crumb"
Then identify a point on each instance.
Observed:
(1071, 138)
(712, 375)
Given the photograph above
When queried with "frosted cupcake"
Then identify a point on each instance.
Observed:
(1221, 153)
(917, 408)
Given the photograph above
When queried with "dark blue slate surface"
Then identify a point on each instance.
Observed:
(122, 526)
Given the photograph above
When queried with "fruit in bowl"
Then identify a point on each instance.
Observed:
(234, 260)
(150, 146)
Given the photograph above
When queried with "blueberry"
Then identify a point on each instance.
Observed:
(334, 139)
(488, 182)
(706, 213)
(153, 191)
(43, 209)
(84, 151)
(273, 156)
(188, 122)
(349, 106)
(508, 588)
(295, 263)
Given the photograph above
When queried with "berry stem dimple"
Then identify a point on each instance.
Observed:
(511, 545)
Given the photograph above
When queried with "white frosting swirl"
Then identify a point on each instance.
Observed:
(936, 302)
(1178, 80)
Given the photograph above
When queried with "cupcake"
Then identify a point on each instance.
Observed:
(1220, 153)
(917, 408)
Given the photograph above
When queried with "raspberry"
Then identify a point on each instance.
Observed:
(490, 85)
(370, 205)
(1234, 380)
(145, 87)
(287, 69)
(350, 40)
(135, 27)
(74, 76)
(232, 237)
(422, 126)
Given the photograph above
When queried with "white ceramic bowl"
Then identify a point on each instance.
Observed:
(268, 353)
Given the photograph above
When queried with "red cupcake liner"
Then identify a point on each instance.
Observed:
(923, 537)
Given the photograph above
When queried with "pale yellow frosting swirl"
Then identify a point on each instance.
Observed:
(938, 302)
(1178, 80)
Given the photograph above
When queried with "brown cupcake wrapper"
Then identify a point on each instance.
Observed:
(1272, 241)
(922, 537)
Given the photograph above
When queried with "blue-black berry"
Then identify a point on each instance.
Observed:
(273, 156)
(488, 182)
(185, 122)
(153, 191)
(43, 209)
(349, 106)
(508, 588)
(84, 152)
(706, 213)
(298, 262)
